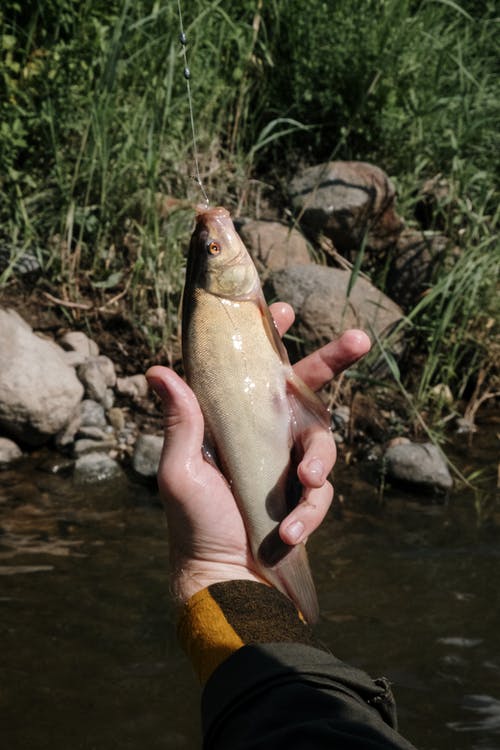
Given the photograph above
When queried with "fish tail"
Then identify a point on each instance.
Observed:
(295, 580)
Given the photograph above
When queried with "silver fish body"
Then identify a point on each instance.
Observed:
(253, 403)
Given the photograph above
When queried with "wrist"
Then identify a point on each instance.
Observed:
(193, 576)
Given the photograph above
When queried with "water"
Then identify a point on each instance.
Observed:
(89, 657)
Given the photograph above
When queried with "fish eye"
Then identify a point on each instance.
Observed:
(213, 247)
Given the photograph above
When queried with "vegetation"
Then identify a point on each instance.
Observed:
(94, 137)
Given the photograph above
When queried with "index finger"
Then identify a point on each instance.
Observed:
(318, 368)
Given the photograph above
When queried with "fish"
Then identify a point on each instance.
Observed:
(254, 405)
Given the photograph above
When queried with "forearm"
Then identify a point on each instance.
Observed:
(269, 684)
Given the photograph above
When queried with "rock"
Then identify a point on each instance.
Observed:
(146, 457)
(419, 464)
(93, 433)
(318, 295)
(92, 414)
(74, 359)
(9, 451)
(273, 245)
(21, 263)
(39, 392)
(135, 386)
(346, 200)
(96, 467)
(67, 435)
(98, 375)
(86, 445)
(341, 416)
(412, 265)
(441, 393)
(109, 399)
(116, 418)
(77, 341)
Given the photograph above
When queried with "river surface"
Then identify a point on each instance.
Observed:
(408, 587)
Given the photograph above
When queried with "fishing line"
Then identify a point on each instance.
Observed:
(187, 76)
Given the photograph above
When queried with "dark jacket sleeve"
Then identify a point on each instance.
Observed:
(269, 685)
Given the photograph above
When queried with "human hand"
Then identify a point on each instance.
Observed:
(207, 537)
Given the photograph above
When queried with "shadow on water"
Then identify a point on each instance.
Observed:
(408, 588)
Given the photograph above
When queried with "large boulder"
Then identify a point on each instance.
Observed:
(39, 393)
(273, 245)
(325, 307)
(349, 202)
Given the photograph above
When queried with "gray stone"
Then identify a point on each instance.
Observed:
(92, 432)
(77, 341)
(135, 386)
(273, 245)
(92, 414)
(147, 453)
(419, 464)
(9, 451)
(87, 445)
(39, 392)
(323, 310)
(98, 375)
(96, 467)
(347, 201)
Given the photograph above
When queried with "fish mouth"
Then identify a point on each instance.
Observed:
(205, 213)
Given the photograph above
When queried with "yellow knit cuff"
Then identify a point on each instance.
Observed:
(222, 618)
(205, 634)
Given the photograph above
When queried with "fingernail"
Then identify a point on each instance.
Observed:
(295, 531)
(316, 469)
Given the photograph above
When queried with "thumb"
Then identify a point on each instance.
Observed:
(183, 420)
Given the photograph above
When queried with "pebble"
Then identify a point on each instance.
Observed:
(98, 376)
(116, 418)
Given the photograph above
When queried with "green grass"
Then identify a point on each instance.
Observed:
(94, 126)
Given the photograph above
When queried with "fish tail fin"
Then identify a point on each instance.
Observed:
(295, 580)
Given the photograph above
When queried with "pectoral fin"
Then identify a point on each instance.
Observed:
(306, 407)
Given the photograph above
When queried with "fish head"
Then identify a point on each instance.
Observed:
(218, 261)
